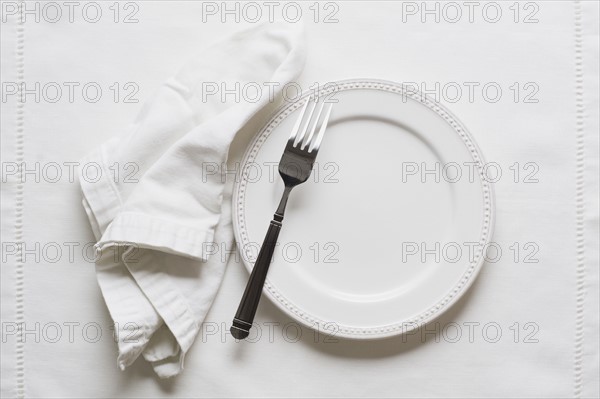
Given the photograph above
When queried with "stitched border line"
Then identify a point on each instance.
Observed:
(448, 299)
(20, 157)
(579, 205)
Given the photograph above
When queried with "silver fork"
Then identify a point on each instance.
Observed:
(295, 167)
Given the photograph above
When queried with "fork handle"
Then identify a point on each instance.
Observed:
(244, 316)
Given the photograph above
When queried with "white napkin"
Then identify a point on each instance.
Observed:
(167, 209)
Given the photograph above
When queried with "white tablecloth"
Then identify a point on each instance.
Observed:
(525, 329)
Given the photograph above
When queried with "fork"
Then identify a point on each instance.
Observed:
(295, 167)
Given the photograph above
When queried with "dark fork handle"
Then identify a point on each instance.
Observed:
(244, 316)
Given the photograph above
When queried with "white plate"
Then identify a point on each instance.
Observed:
(364, 208)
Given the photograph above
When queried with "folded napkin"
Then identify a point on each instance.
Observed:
(165, 218)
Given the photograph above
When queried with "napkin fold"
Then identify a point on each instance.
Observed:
(158, 223)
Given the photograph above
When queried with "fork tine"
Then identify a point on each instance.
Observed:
(304, 129)
(298, 121)
(314, 126)
(317, 142)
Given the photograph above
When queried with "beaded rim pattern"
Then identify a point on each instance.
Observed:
(343, 331)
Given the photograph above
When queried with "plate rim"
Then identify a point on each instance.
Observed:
(451, 297)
